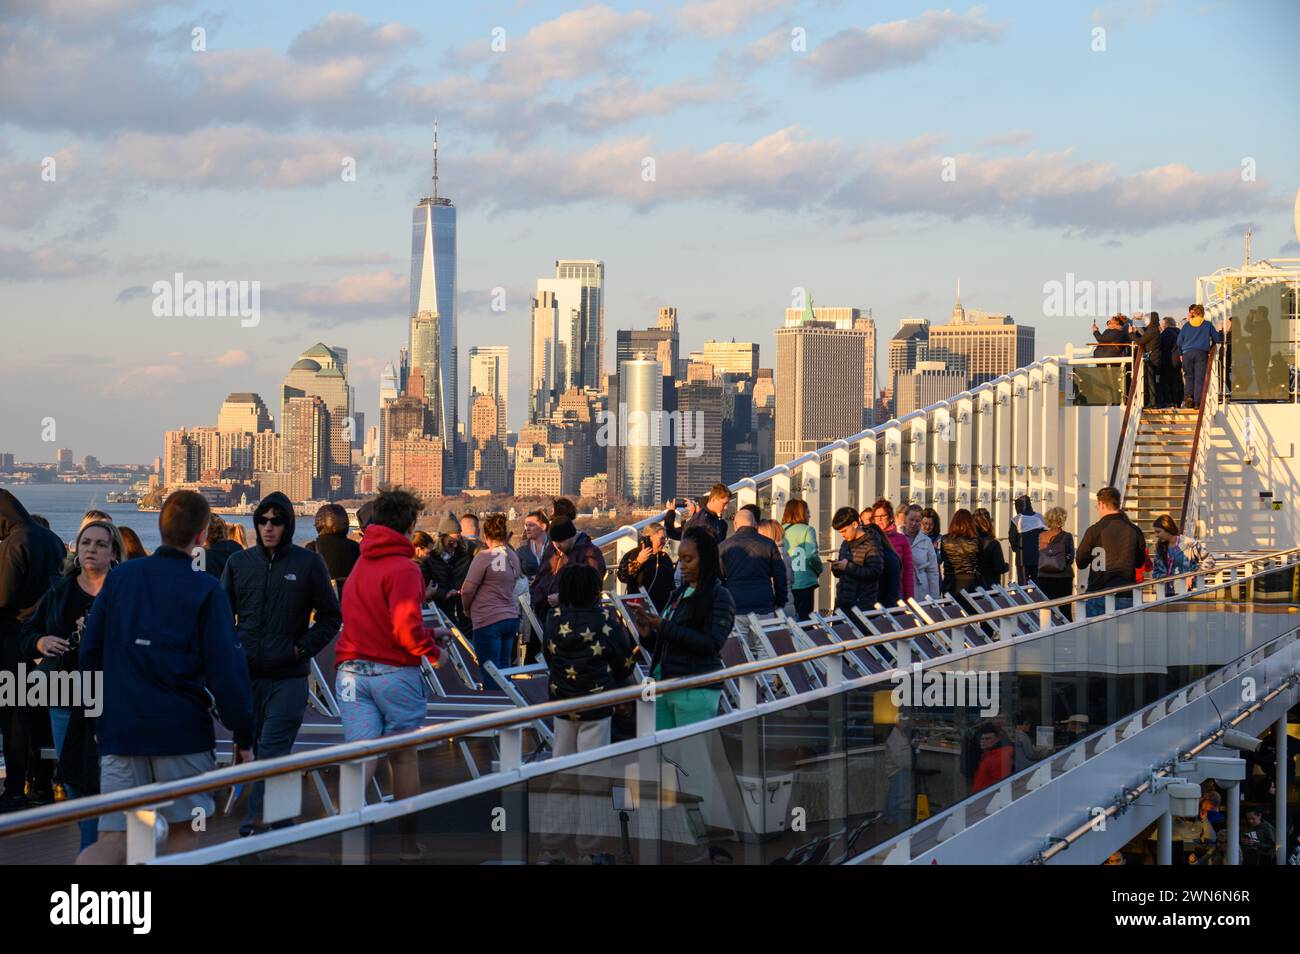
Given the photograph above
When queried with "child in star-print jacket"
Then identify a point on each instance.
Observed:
(588, 650)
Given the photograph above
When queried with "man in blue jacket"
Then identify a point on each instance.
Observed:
(752, 567)
(1195, 339)
(162, 633)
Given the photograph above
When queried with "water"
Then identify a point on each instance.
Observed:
(63, 504)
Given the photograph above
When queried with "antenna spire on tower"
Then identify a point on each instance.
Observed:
(1248, 246)
(435, 158)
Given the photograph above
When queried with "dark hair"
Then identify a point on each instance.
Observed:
(986, 728)
(1196, 310)
(889, 508)
(933, 515)
(578, 586)
(913, 508)
(184, 515)
(331, 518)
(93, 514)
(1109, 496)
(540, 517)
(131, 541)
(1166, 523)
(420, 539)
(564, 507)
(963, 524)
(753, 508)
(397, 510)
(472, 516)
(40, 521)
(710, 564)
(796, 511)
(984, 522)
(495, 527)
(843, 517)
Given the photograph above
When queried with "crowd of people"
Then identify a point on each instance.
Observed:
(1175, 357)
(176, 646)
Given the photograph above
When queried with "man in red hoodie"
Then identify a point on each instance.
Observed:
(383, 641)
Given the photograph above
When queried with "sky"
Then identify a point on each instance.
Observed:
(717, 155)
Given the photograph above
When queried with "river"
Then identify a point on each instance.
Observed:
(63, 504)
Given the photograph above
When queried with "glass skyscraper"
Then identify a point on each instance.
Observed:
(433, 306)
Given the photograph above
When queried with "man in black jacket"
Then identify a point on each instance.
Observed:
(30, 559)
(708, 516)
(1112, 550)
(1147, 337)
(1114, 341)
(1171, 381)
(752, 568)
(274, 587)
(859, 564)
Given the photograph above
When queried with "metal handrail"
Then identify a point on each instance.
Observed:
(93, 806)
(1132, 415)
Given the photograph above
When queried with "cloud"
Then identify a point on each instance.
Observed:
(347, 34)
(884, 46)
(715, 18)
(1014, 137)
(349, 298)
(50, 263)
(791, 171)
(351, 260)
(231, 359)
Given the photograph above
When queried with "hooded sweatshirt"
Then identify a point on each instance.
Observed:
(274, 593)
(1198, 335)
(382, 602)
(30, 559)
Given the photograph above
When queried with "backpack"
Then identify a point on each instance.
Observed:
(1052, 559)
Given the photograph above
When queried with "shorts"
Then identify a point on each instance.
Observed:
(382, 704)
(118, 772)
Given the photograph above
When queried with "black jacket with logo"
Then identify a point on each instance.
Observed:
(273, 594)
(858, 584)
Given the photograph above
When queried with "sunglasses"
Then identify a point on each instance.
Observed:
(270, 522)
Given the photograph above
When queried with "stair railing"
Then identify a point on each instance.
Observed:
(1128, 431)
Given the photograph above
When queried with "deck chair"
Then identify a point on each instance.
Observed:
(526, 686)
(1030, 593)
(836, 627)
(770, 638)
(948, 609)
(997, 598)
(884, 621)
(625, 604)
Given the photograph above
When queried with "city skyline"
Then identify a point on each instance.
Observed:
(724, 231)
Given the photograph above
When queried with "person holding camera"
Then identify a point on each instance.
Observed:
(649, 566)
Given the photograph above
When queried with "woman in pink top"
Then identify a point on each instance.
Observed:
(883, 517)
(488, 595)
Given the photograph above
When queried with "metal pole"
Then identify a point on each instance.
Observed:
(1165, 840)
(1232, 796)
(1279, 810)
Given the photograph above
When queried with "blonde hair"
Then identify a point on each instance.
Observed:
(114, 542)
(1055, 518)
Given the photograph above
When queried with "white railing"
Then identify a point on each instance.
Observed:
(985, 447)
(1196, 497)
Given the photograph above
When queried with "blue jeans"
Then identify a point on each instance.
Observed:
(496, 643)
(1194, 375)
(1097, 605)
(59, 719)
(278, 706)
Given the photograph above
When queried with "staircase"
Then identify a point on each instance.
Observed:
(1158, 472)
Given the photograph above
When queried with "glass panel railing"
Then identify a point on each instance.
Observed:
(1096, 385)
(1261, 360)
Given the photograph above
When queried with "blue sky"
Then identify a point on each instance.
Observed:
(775, 168)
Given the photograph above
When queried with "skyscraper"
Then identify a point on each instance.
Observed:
(662, 342)
(589, 345)
(321, 371)
(632, 436)
(489, 373)
(729, 357)
(992, 344)
(389, 390)
(543, 373)
(433, 307)
(820, 370)
(243, 412)
(846, 318)
(562, 300)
